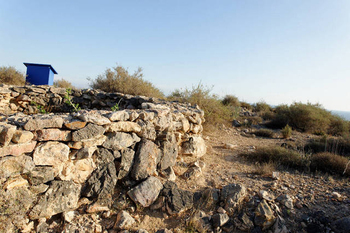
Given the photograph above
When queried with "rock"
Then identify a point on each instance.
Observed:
(264, 216)
(146, 192)
(244, 223)
(286, 200)
(43, 123)
(122, 115)
(15, 182)
(17, 149)
(169, 151)
(85, 152)
(40, 175)
(232, 195)
(37, 189)
(147, 130)
(195, 146)
(146, 158)
(176, 200)
(124, 220)
(275, 175)
(207, 200)
(236, 123)
(341, 225)
(77, 170)
(53, 135)
(103, 156)
(10, 166)
(266, 195)
(219, 219)
(83, 223)
(169, 174)
(127, 161)
(124, 126)
(88, 132)
(229, 146)
(93, 117)
(192, 173)
(60, 197)
(51, 154)
(21, 136)
(92, 142)
(75, 124)
(119, 140)
(69, 215)
(279, 226)
(336, 195)
(101, 184)
(15, 201)
(6, 134)
(94, 208)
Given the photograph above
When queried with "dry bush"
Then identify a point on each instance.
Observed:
(246, 105)
(262, 106)
(328, 162)
(9, 75)
(230, 100)
(120, 80)
(266, 133)
(340, 146)
(286, 131)
(62, 83)
(215, 112)
(264, 169)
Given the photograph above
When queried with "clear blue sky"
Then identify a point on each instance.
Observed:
(279, 51)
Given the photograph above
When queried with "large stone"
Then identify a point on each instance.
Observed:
(75, 124)
(21, 136)
(101, 184)
(77, 170)
(124, 220)
(146, 159)
(285, 200)
(119, 140)
(53, 154)
(220, 219)
(93, 142)
(264, 216)
(103, 156)
(89, 132)
(6, 134)
(40, 175)
(195, 146)
(146, 192)
(62, 196)
(232, 195)
(15, 201)
(93, 117)
(147, 130)
(53, 135)
(10, 166)
(119, 116)
(124, 126)
(17, 149)
(44, 122)
(176, 200)
(207, 200)
(169, 151)
(127, 161)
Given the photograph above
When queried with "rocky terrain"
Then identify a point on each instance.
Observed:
(148, 167)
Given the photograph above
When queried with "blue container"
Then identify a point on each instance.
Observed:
(40, 74)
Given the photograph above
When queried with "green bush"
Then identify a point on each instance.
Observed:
(214, 110)
(264, 133)
(262, 106)
(230, 100)
(246, 105)
(332, 163)
(63, 84)
(118, 79)
(9, 75)
(286, 131)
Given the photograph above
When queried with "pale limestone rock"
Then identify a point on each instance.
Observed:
(195, 146)
(93, 117)
(124, 126)
(15, 182)
(119, 140)
(14, 165)
(122, 115)
(21, 136)
(44, 122)
(77, 170)
(6, 134)
(17, 149)
(124, 220)
(53, 135)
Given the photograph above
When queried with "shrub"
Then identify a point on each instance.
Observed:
(279, 156)
(338, 126)
(9, 75)
(246, 105)
(230, 100)
(118, 79)
(340, 146)
(328, 162)
(214, 110)
(286, 131)
(262, 106)
(265, 169)
(264, 133)
(63, 84)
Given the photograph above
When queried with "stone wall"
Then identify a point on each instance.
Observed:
(54, 163)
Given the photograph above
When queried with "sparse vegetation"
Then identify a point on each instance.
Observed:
(267, 133)
(41, 109)
(118, 79)
(230, 100)
(286, 131)
(69, 101)
(62, 83)
(262, 106)
(215, 111)
(264, 169)
(331, 163)
(9, 75)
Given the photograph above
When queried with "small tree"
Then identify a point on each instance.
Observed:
(118, 79)
(9, 75)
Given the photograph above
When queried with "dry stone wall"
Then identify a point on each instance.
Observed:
(53, 163)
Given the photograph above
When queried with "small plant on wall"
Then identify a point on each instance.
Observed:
(69, 100)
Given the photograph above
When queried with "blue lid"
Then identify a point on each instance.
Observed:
(36, 64)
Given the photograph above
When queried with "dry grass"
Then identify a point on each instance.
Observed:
(332, 163)
(266, 133)
(264, 169)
